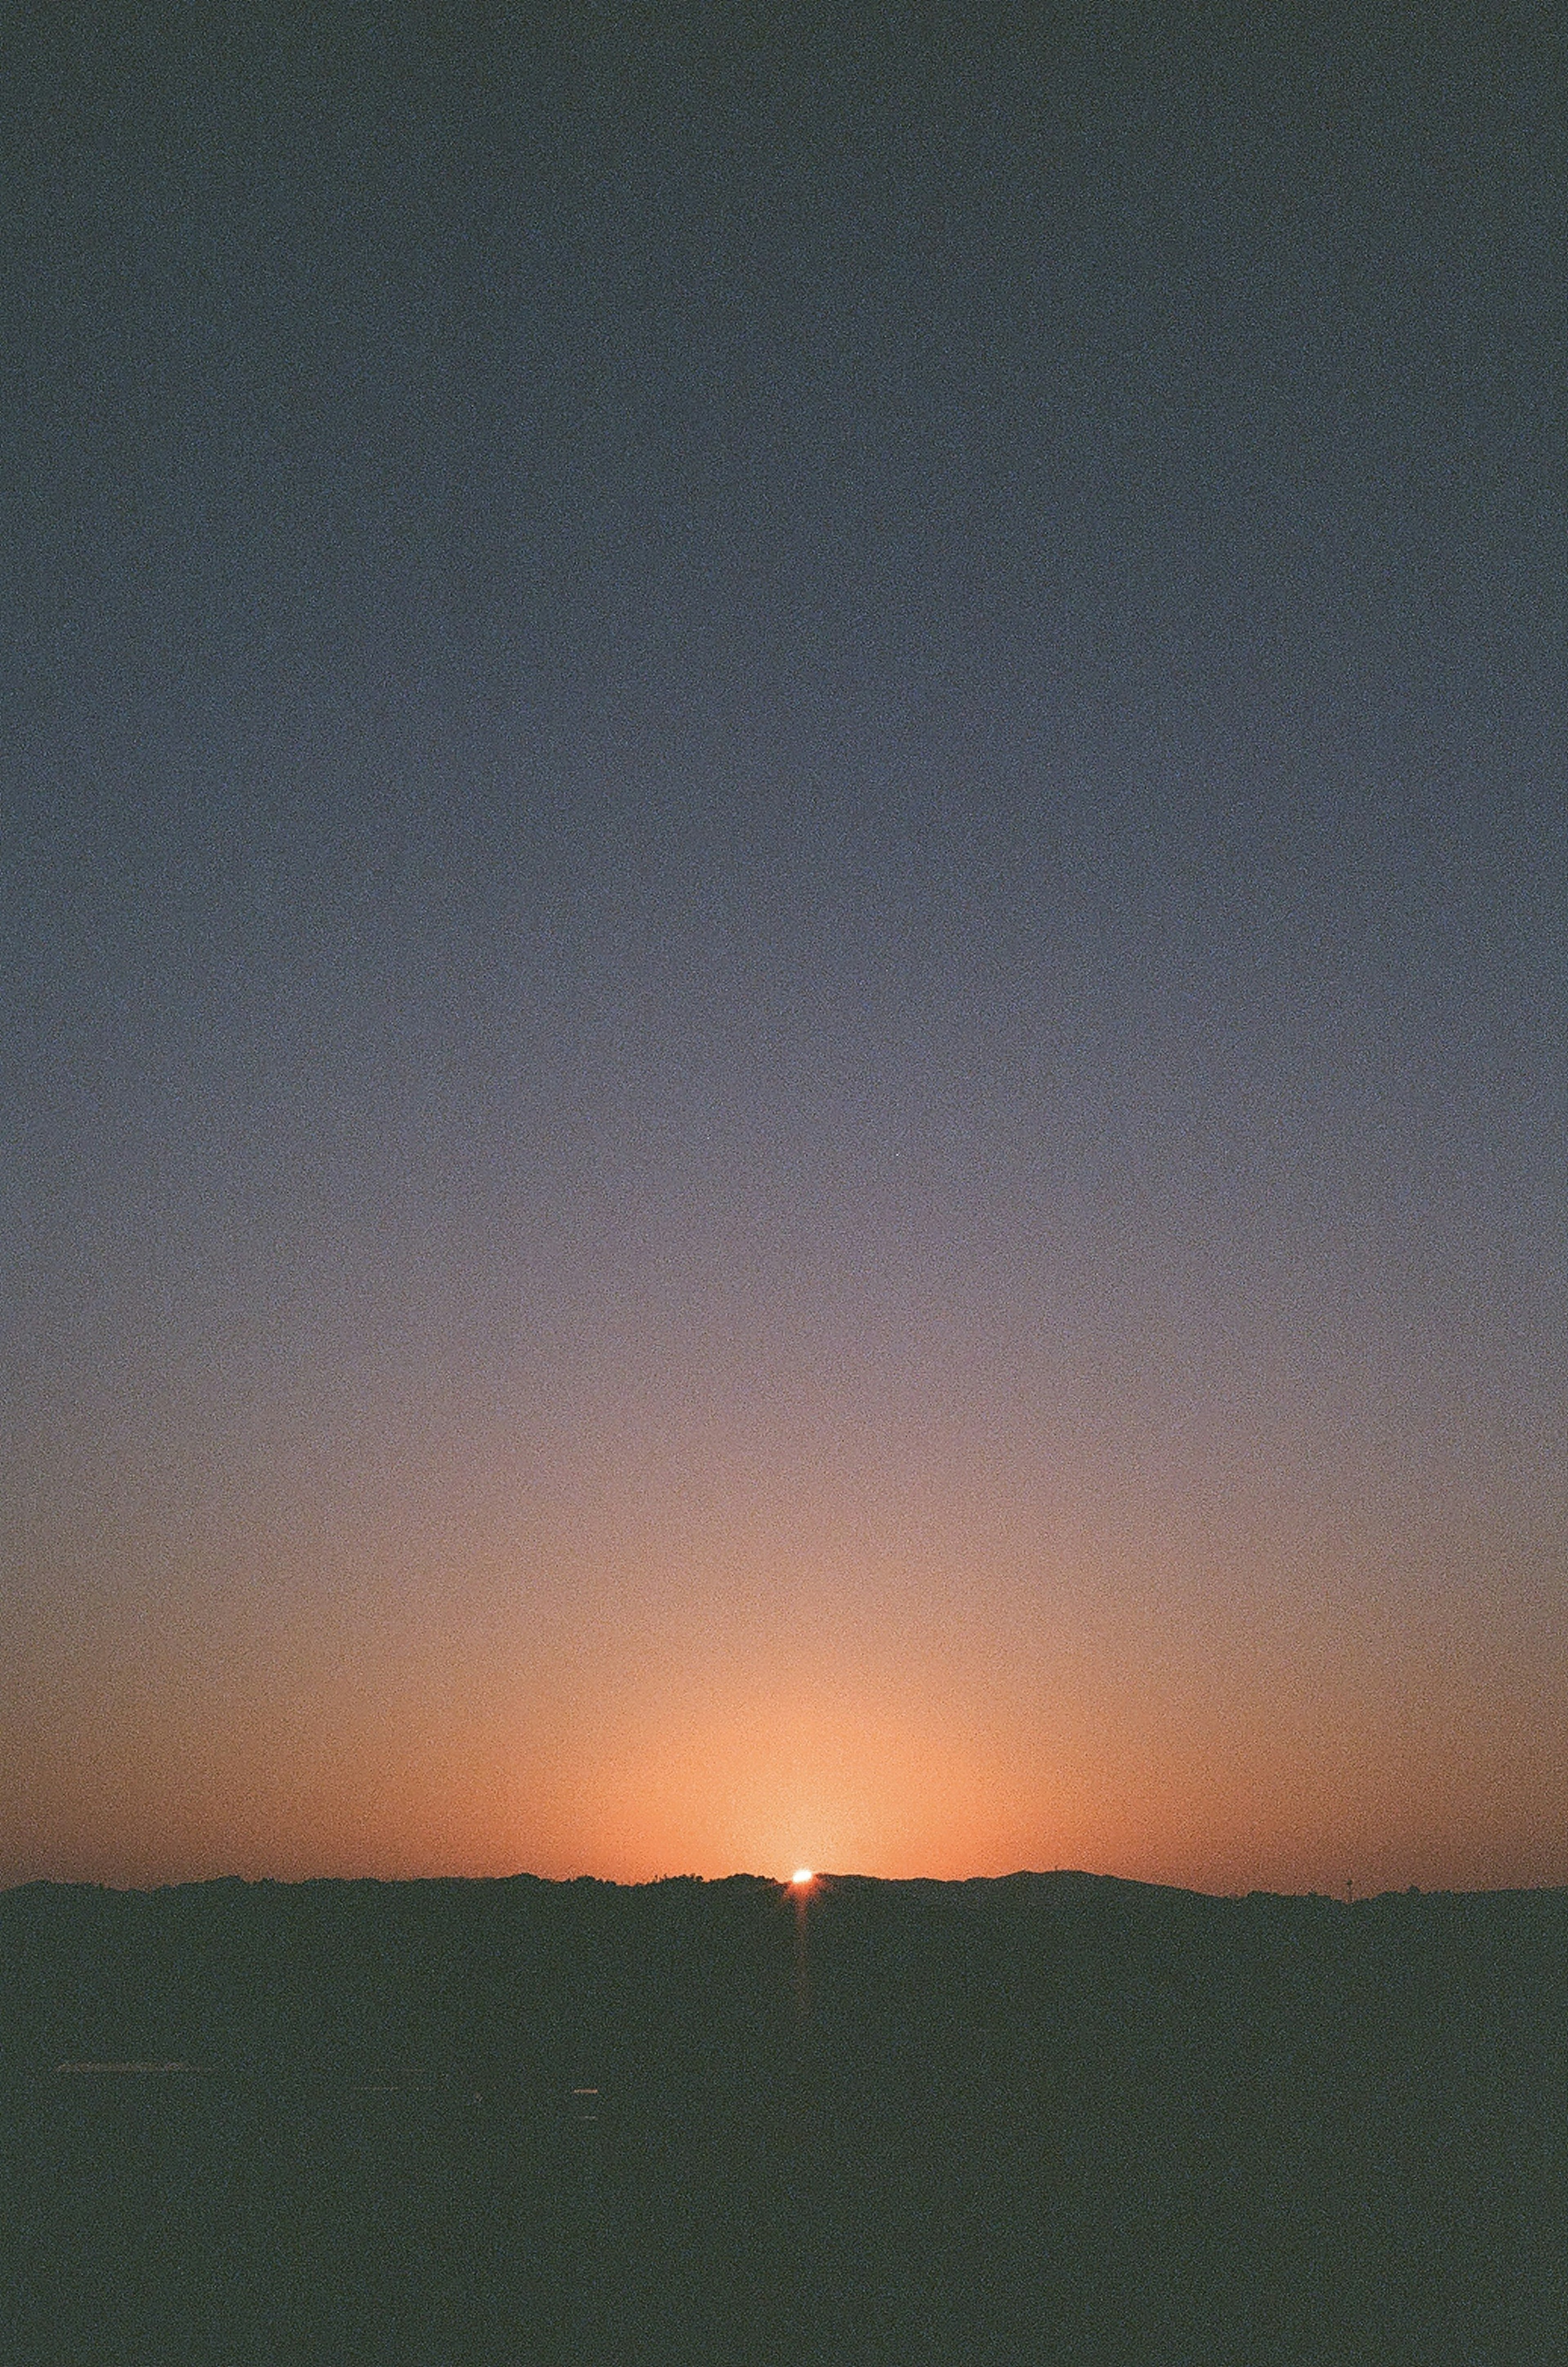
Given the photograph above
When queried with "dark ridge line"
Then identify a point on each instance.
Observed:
(1068, 1880)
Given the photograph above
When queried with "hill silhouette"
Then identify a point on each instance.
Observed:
(1047, 2117)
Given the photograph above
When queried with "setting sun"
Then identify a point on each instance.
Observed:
(802, 1878)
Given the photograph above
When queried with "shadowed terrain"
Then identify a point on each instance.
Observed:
(1053, 2117)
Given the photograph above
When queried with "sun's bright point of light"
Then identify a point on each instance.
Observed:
(801, 1877)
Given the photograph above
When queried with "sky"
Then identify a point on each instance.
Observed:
(784, 897)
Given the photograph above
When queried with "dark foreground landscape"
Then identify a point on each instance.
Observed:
(1051, 2118)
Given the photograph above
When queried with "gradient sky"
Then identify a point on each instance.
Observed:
(784, 894)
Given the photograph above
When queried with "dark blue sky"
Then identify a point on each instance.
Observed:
(784, 911)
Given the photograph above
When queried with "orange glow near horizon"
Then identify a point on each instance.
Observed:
(1010, 1694)
(887, 1780)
